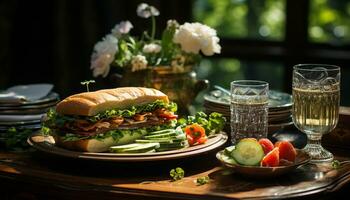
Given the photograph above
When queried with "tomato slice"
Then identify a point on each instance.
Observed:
(168, 116)
(271, 159)
(195, 134)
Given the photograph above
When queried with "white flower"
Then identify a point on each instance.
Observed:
(172, 23)
(151, 48)
(103, 55)
(194, 37)
(145, 11)
(122, 28)
(138, 62)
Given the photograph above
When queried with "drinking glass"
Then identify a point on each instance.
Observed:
(316, 94)
(249, 109)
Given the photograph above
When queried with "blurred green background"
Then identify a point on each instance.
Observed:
(52, 41)
(328, 23)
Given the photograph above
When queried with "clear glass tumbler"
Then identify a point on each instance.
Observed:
(316, 96)
(249, 109)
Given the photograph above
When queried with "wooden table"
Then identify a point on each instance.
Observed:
(37, 175)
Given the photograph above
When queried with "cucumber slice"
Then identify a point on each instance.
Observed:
(142, 148)
(228, 150)
(163, 135)
(248, 151)
(228, 159)
(151, 151)
(168, 149)
(171, 145)
(160, 141)
(181, 136)
(120, 148)
(161, 132)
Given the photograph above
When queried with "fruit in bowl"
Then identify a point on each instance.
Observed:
(263, 153)
(261, 158)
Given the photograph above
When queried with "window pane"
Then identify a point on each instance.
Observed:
(223, 71)
(257, 19)
(329, 21)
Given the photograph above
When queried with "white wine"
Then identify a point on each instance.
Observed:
(316, 111)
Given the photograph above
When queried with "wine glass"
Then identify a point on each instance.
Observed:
(316, 96)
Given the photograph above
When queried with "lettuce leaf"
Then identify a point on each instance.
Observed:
(133, 110)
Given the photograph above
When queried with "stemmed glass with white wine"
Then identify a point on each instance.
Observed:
(316, 96)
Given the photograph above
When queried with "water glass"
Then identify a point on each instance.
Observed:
(249, 109)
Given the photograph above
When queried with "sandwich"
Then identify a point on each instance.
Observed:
(95, 121)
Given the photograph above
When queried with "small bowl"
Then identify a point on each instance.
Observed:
(264, 172)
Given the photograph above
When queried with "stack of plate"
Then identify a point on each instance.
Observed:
(280, 106)
(27, 113)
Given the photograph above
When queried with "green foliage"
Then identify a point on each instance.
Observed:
(127, 47)
(329, 21)
(16, 139)
(335, 164)
(252, 19)
(202, 180)
(169, 48)
(177, 174)
(53, 119)
(213, 123)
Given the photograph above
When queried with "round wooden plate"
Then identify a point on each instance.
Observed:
(47, 144)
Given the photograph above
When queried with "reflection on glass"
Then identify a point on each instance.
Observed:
(258, 19)
(329, 21)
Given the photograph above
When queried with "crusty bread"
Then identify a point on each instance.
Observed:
(92, 103)
(93, 145)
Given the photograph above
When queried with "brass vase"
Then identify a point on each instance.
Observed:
(181, 85)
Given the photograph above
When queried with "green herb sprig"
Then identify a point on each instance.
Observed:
(177, 174)
(87, 83)
(202, 180)
(335, 164)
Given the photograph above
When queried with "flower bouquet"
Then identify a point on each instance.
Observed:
(179, 45)
(165, 64)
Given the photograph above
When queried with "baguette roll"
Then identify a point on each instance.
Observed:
(92, 103)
